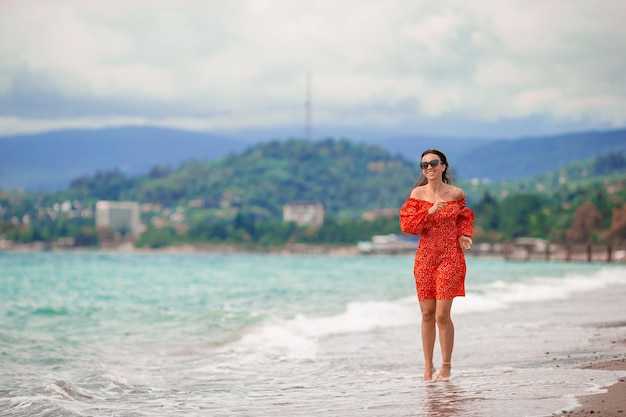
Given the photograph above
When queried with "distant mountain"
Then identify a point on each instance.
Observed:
(526, 157)
(49, 161)
(412, 146)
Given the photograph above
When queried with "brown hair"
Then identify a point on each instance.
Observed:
(421, 180)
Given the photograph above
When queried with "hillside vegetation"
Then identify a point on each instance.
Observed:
(239, 199)
(347, 178)
(549, 205)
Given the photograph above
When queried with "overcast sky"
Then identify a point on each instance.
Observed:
(480, 68)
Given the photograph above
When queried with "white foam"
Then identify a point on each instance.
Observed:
(474, 303)
(277, 340)
(297, 337)
(500, 294)
(358, 317)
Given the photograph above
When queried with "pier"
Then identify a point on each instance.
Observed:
(527, 249)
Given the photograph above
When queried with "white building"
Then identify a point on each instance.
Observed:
(304, 213)
(119, 216)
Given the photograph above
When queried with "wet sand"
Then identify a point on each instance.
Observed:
(575, 347)
(609, 404)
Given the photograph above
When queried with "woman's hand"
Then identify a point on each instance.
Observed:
(436, 207)
(465, 242)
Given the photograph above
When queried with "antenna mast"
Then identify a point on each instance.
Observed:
(307, 109)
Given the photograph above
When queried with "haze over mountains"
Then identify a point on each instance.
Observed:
(50, 161)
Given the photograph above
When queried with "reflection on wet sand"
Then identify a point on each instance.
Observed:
(446, 399)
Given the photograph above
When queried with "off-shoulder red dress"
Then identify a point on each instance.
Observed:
(439, 267)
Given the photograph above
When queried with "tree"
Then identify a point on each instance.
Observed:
(616, 235)
(157, 238)
(487, 216)
(523, 216)
(587, 221)
(87, 236)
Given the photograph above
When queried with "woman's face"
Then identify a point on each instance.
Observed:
(432, 172)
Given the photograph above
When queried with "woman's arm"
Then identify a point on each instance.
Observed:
(414, 216)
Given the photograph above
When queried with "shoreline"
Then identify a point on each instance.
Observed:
(204, 248)
(576, 344)
(289, 249)
(610, 403)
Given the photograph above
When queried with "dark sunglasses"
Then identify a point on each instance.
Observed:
(433, 163)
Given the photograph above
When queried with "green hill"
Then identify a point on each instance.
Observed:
(240, 198)
(590, 173)
(348, 178)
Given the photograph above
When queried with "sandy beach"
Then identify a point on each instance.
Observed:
(585, 332)
(612, 403)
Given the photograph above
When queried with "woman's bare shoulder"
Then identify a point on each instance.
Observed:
(456, 193)
(418, 192)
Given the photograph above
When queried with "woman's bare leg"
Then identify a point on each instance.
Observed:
(428, 308)
(446, 337)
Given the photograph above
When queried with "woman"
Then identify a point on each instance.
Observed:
(436, 211)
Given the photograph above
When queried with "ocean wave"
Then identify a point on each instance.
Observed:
(50, 311)
(66, 390)
(501, 294)
(47, 400)
(297, 337)
(31, 406)
(9, 339)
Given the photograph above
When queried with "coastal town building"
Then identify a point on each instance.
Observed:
(304, 213)
(119, 216)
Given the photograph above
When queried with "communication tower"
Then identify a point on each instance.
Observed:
(307, 109)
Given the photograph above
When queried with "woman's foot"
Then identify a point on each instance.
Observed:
(429, 372)
(444, 373)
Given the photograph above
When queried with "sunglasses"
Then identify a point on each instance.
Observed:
(434, 163)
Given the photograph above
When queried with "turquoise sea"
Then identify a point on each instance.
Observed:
(112, 334)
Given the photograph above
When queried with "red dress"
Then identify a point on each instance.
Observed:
(439, 267)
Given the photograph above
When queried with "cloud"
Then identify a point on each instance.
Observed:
(243, 64)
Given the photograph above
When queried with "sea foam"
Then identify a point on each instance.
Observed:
(297, 337)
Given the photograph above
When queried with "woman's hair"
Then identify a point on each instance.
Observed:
(421, 180)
